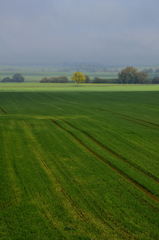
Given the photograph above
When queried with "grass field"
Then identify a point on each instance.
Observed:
(79, 162)
(32, 87)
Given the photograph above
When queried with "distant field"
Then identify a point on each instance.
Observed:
(16, 87)
(79, 162)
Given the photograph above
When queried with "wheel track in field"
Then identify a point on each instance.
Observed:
(45, 210)
(79, 212)
(103, 213)
(3, 110)
(43, 206)
(52, 177)
(124, 175)
(47, 213)
(69, 199)
(138, 123)
(13, 176)
(124, 115)
(113, 153)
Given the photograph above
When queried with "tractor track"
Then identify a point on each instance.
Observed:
(3, 110)
(102, 217)
(124, 115)
(124, 175)
(69, 199)
(47, 213)
(79, 213)
(138, 123)
(103, 214)
(57, 184)
(113, 153)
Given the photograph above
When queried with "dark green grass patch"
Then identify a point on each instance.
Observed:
(79, 165)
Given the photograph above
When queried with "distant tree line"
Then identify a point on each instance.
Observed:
(130, 75)
(61, 79)
(102, 80)
(17, 77)
(150, 70)
(87, 79)
(155, 80)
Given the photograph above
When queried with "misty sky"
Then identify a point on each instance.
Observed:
(110, 32)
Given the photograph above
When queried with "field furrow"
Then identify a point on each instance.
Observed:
(113, 153)
(127, 177)
(3, 110)
(65, 198)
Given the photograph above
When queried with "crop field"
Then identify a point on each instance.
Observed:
(79, 163)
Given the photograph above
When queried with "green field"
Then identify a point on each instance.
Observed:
(79, 162)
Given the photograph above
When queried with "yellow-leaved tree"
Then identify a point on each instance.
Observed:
(78, 77)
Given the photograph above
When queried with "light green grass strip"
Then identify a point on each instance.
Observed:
(23, 87)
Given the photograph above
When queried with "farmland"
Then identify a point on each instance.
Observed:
(79, 162)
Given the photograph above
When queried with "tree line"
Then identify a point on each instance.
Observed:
(17, 77)
(129, 75)
(102, 80)
(150, 70)
(61, 79)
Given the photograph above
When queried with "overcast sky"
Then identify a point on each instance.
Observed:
(110, 32)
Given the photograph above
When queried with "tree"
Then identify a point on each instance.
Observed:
(157, 70)
(141, 77)
(131, 75)
(127, 75)
(17, 77)
(7, 79)
(78, 77)
(87, 79)
(150, 70)
(155, 80)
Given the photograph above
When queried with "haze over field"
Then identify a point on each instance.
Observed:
(110, 32)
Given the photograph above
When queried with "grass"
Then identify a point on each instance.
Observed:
(32, 87)
(79, 163)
